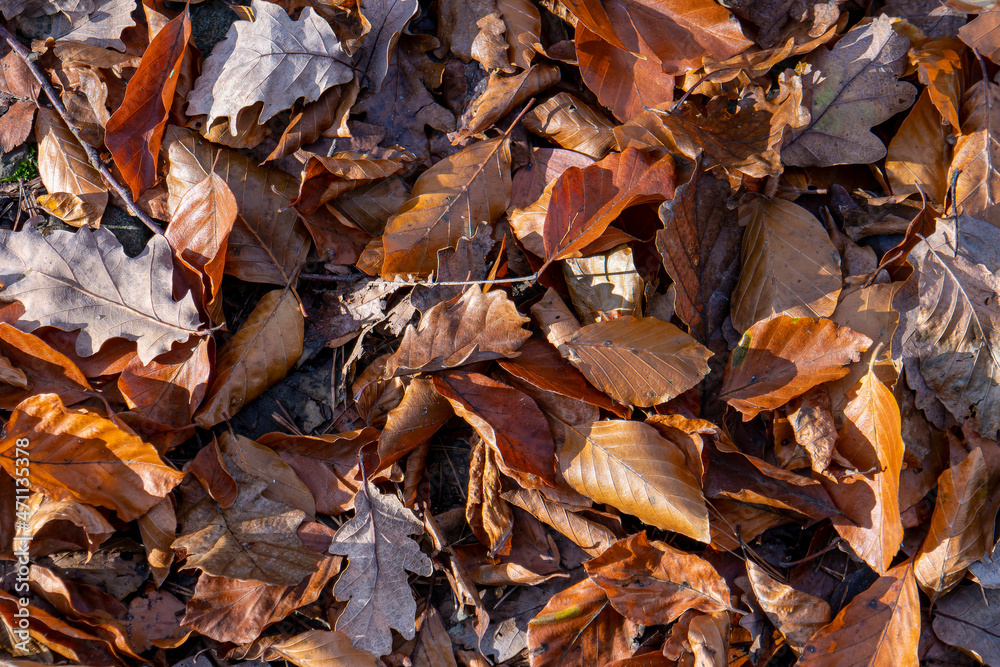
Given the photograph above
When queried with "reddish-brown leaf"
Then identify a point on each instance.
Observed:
(46, 370)
(134, 132)
(169, 389)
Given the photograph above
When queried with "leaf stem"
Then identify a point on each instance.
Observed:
(95, 160)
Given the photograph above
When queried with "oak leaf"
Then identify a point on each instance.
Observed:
(850, 88)
(387, 19)
(781, 358)
(80, 455)
(379, 553)
(271, 59)
(85, 281)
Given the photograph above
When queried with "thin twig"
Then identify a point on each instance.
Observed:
(95, 160)
(323, 278)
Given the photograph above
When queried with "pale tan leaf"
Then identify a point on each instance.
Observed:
(796, 614)
(919, 153)
(85, 281)
(628, 465)
(321, 648)
(977, 153)
(64, 167)
(589, 535)
(271, 59)
(572, 124)
(604, 283)
(379, 553)
(524, 27)
(789, 265)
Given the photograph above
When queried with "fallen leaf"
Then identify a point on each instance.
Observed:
(781, 358)
(796, 614)
(488, 515)
(967, 618)
(524, 27)
(572, 124)
(637, 361)
(80, 455)
(314, 648)
(46, 370)
(973, 165)
(589, 535)
(919, 154)
(789, 265)
(869, 58)
(379, 552)
(629, 466)
(170, 388)
(447, 202)
(475, 327)
(879, 627)
(653, 584)
(258, 355)
(388, 20)
(65, 167)
(501, 95)
(271, 59)
(420, 413)
(604, 285)
(135, 130)
(585, 201)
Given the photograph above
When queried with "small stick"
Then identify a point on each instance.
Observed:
(323, 278)
(95, 160)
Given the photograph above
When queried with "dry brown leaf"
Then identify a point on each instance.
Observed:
(474, 327)
(653, 583)
(939, 66)
(268, 242)
(967, 618)
(572, 124)
(637, 361)
(789, 264)
(980, 34)
(379, 553)
(957, 535)
(447, 202)
(781, 358)
(170, 388)
(45, 369)
(388, 18)
(501, 95)
(324, 178)
(489, 516)
(796, 614)
(308, 125)
(589, 535)
(872, 441)
(604, 285)
(812, 421)
(320, 648)
(80, 455)
(919, 153)
(977, 154)
(629, 466)
(258, 355)
(420, 413)
(64, 166)
(879, 628)
(524, 27)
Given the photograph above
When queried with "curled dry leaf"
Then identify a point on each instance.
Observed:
(789, 264)
(796, 614)
(489, 516)
(268, 242)
(80, 455)
(572, 124)
(507, 419)
(653, 584)
(447, 202)
(257, 356)
(629, 466)
(871, 439)
(475, 327)
(589, 535)
(781, 358)
(812, 422)
(272, 59)
(379, 553)
(585, 201)
(326, 178)
(64, 166)
(879, 628)
(605, 284)
(502, 94)
(135, 130)
(957, 535)
(861, 68)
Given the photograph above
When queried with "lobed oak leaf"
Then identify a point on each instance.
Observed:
(781, 358)
(473, 327)
(80, 455)
(880, 627)
(628, 465)
(85, 281)
(101, 25)
(379, 553)
(653, 584)
(851, 87)
(271, 59)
